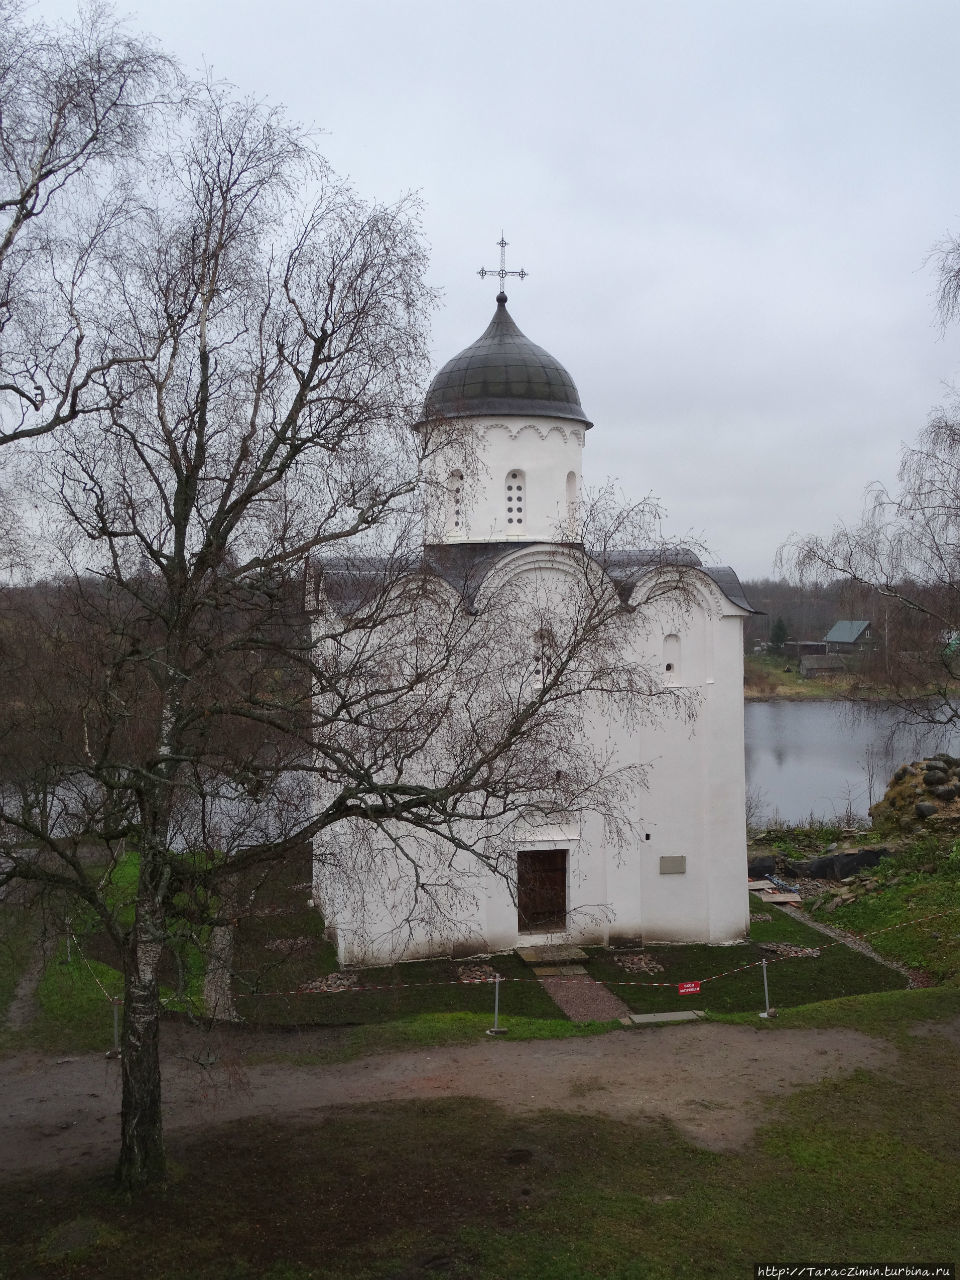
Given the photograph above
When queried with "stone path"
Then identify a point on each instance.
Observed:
(569, 986)
(23, 1006)
(584, 1000)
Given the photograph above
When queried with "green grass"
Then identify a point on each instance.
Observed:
(933, 945)
(838, 971)
(74, 1013)
(881, 1013)
(411, 989)
(421, 1003)
(426, 1030)
(765, 676)
(860, 1168)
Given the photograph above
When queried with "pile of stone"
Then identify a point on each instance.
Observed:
(333, 982)
(920, 791)
(289, 946)
(639, 962)
(788, 949)
(476, 973)
(760, 915)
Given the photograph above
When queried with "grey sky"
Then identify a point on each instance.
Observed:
(724, 207)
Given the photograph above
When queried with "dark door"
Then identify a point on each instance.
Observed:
(542, 890)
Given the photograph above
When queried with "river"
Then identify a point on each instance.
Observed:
(825, 758)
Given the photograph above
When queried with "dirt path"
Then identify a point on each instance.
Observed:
(22, 1008)
(713, 1081)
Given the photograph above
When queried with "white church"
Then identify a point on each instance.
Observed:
(680, 876)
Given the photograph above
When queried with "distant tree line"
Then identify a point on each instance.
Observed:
(808, 610)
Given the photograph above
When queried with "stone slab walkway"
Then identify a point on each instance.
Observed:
(681, 1015)
(552, 953)
(584, 1000)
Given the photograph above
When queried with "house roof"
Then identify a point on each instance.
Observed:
(822, 662)
(846, 632)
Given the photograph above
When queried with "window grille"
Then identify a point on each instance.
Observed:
(516, 496)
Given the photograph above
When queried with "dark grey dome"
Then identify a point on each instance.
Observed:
(503, 372)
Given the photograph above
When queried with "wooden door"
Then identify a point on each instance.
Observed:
(542, 890)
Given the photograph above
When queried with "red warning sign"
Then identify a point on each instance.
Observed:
(688, 988)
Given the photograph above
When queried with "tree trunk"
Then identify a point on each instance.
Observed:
(218, 979)
(142, 1157)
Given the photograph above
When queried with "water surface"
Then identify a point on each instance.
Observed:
(826, 758)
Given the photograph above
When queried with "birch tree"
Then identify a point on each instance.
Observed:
(242, 648)
(78, 104)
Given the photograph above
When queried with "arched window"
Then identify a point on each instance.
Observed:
(572, 497)
(455, 502)
(515, 494)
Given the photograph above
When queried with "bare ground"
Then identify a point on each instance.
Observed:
(714, 1081)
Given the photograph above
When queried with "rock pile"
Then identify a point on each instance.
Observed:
(476, 973)
(788, 949)
(333, 982)
(921, 790)
(289, 946)
(639, 962)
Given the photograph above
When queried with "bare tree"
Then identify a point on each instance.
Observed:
(78, 103)
(267, 345)
(902, 563)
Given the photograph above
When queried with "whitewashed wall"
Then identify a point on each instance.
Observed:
(692, 807)
(548, 453)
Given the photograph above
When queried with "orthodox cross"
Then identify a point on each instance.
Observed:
(503, 272)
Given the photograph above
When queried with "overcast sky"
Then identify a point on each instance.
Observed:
(725, 207)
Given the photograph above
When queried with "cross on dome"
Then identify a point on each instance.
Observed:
(503, 272)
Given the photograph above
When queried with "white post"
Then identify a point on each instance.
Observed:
(117, 1001)
(496, 1029)
(766, 993)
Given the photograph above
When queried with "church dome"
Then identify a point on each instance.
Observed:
(503, 373)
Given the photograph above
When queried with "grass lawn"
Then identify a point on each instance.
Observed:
(860, 1169)
(838, 971)
(765, 676)
(422, 1002)
(427, 986)
(932, 945)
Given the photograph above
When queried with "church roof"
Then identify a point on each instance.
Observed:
(503, 372)
(354, 583)
(626, 567)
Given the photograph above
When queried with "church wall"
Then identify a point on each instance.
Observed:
(548, 454)
(692, 807)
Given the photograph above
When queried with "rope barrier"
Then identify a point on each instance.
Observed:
(937, 915)
(91, 972)
(609, 982)
(466, 982)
